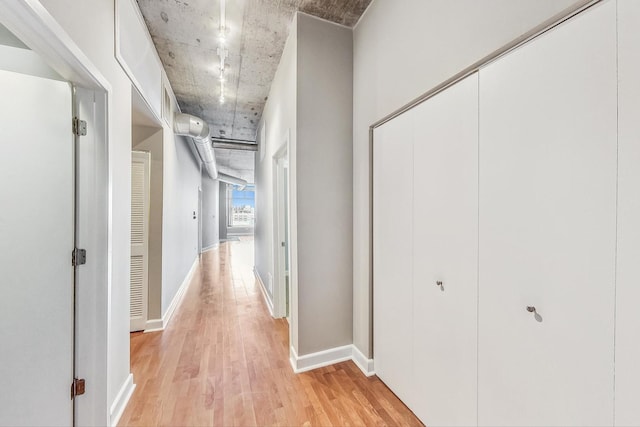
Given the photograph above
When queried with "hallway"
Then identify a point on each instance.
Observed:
(224, 361)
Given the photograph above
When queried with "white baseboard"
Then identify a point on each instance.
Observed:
(120, 403)
(181, 291)
(155, 325)
(211, 248)
(265, 295)
(329, 357)
(320, 359)
(362, 362)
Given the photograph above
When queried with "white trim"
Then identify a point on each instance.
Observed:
(280, 159)
(177, 299)
(121, 401)
(265, 294)
(153, 325)
(329, 357)
(362, 362)
(34, 25)
(320, 359)
(211, 247)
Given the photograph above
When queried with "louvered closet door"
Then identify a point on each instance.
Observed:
(139, 239)
(547, 237)
(392, 260)
(445, 249)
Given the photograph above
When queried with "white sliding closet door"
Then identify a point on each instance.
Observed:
(548, 228)
(445, 249)
(628, 274)
(392, 260)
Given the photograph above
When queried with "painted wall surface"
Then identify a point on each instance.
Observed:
(179, 228)
(400, 53)
(222, 211)
(279, 117)
(210, 212)
(90, 24)
(149, 139)
(324, 185)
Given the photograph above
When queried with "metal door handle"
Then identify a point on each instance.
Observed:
(531, 309)
(439, 283)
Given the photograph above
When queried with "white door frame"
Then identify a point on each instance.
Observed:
(35, 26)
(280, 163)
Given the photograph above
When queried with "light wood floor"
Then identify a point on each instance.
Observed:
(223, 361)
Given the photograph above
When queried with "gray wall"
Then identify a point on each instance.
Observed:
(324, 185)
(180, 229)
(210, 211)
(401, 52)
(310, 105)
(149, 139)
(222, 211)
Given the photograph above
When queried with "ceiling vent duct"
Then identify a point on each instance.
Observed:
(241, 183)
(198, 129)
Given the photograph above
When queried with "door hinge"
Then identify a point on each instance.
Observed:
(77, 387)
(78, 257)
(79, 127)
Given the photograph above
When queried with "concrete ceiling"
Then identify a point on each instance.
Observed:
(185, 33)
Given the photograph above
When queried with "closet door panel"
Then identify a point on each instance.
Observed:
(628, 274)
(548, 227)
(392, 258)
(445, 249)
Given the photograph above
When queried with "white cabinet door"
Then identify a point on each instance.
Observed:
(392, 261)
(445, 249)
(548, 228)
(628, 275)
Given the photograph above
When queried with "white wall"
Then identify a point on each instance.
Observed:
(279, 116)
(210, 211)
(179, 228)
(400, 53)
(90, 24)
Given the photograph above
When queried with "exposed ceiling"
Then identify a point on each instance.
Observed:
(185, 33)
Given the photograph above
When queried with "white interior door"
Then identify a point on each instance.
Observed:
(445, 249)
(140, 164)
(392, 255)
(548, 228)
(37, 229)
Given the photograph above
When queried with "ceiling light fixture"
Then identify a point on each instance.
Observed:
(222, 51)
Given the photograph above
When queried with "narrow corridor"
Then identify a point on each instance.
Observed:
(224, 361)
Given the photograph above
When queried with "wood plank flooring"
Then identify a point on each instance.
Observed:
(224, 361)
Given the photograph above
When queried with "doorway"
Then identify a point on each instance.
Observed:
(37, 225)
(56, 194)
(281, 291)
